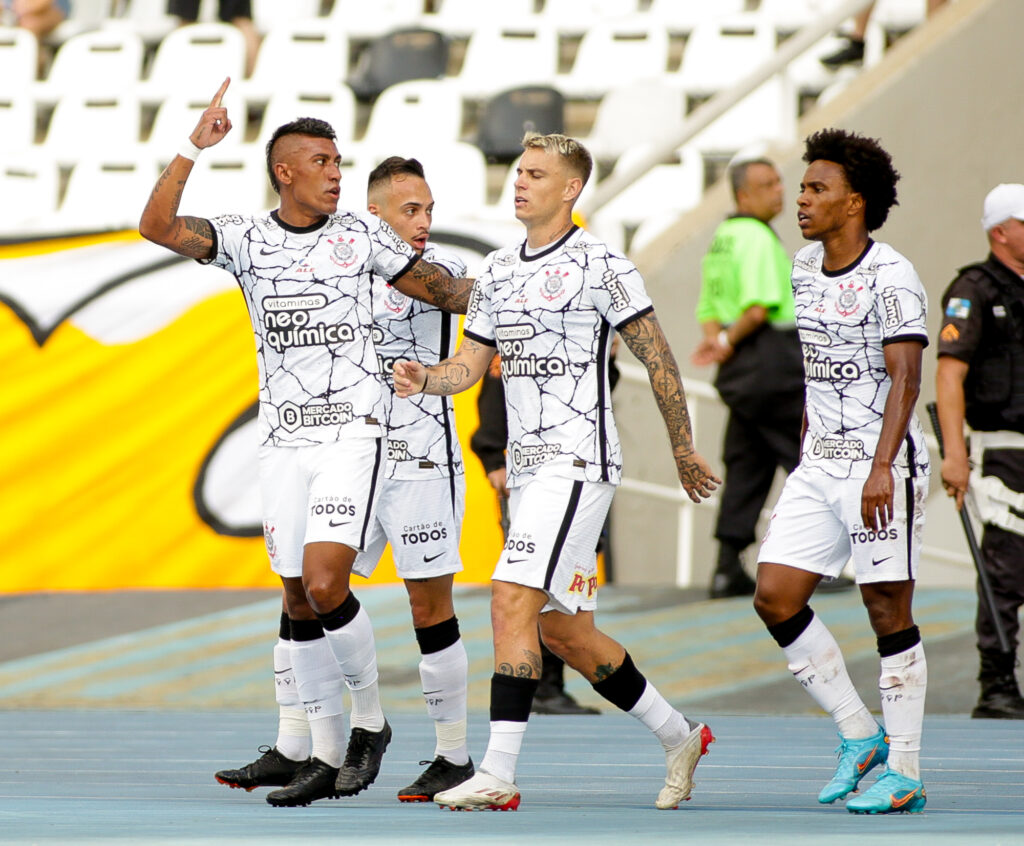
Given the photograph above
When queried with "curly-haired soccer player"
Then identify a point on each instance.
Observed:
(860, 486)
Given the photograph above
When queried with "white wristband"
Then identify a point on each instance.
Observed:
(723, 339)
(189, 151)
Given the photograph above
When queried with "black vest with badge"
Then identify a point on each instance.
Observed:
(994, 388)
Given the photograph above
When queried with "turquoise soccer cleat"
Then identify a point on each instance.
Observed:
(892, 793)
(856, 759)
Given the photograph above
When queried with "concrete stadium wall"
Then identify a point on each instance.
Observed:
(946, 101)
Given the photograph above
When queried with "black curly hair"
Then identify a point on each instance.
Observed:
(301, 126)
(867, 166)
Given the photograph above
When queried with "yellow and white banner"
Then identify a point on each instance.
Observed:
(127, 425)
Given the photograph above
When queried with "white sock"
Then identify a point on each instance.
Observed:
(902, 685)
(444, 675)
(503, 747)
(321, 690)
(817, 663)
(653, 710)
(292, 728)
(354, 649)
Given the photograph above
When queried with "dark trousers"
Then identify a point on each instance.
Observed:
(1003, 557)
(755, 445)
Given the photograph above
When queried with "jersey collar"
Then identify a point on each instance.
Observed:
(549, 250)
(298, 230)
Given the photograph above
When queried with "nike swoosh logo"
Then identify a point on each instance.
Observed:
(432, 558)
(334, 525)
(900, 801)
(863, 765)
(875, 562)
(517, 560)
(430, 692)
(264, 252)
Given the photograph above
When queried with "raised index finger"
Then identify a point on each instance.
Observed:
(215, 102)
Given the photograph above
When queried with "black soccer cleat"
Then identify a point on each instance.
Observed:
(442, 774)
(271, 769)
(362, 760)
(314, 781)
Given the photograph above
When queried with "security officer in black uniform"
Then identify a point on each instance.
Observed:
(980, 379)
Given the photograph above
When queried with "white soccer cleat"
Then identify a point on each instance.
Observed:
(482, 792)
(680, 763)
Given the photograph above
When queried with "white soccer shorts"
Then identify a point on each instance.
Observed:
(552, 540)
(817, 526)
(317, 493)
(422, 520)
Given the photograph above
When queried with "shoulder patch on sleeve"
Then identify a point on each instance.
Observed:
(949, 333)
(958, 307)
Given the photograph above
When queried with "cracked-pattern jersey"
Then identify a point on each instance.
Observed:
(845, 318)
(551, 317)
(308, 292)
(422, 442)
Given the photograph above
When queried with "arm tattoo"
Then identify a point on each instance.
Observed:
(199, 243)
(433, 285)
(647, 342)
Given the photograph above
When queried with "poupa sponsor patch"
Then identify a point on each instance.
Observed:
(957, 307)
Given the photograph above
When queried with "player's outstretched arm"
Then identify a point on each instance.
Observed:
(455, 374)
(647, 342)
(432, 284)
(191, 237)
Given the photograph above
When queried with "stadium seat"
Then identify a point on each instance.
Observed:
(337, 106)
(429, 106)
(83, 126)
(147, 18)
(193, 60)
(231, 181)
(85, 15)
(575, 17)
(107, 192)
(788, 16)
(662, 189)
(631, 115)
(372, 18)
(29, 183)
(19, 56)
(681, 17)
(615, 53)
(721, 52)
(510, 114)
(178, 115)
(101, 62)
(898, 16)
(498, 58)
(308, 54)
(399, 56)
(269, 15)
(460, 18)
(769, 113)
(17, 122)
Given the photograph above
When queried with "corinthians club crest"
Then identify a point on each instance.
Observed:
(846, 300)
(343, 253)
(553, 285)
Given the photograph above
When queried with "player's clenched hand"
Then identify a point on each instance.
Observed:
(876, 501)
(695, 474)
(410, 377)
(213, 123)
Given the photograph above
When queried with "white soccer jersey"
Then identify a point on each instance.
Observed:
(551, 317)
(845, 318)
(308, 291)
(422, 442)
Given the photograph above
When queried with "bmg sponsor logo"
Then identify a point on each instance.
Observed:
(610, 280)
(295, 416)
(526, 456)
(286, 323)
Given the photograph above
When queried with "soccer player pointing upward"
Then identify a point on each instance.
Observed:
(550, 305)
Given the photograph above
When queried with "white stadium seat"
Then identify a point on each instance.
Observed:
(616, 53)
(431, 106)
(107, 192)
(370, 18)
(104, 61)
(508, 56)
(29, 184)
(17, 121)
(194, 60)
(720, 52)
(631, 115)
(19, 56)
(307, 54)
(85, 125)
